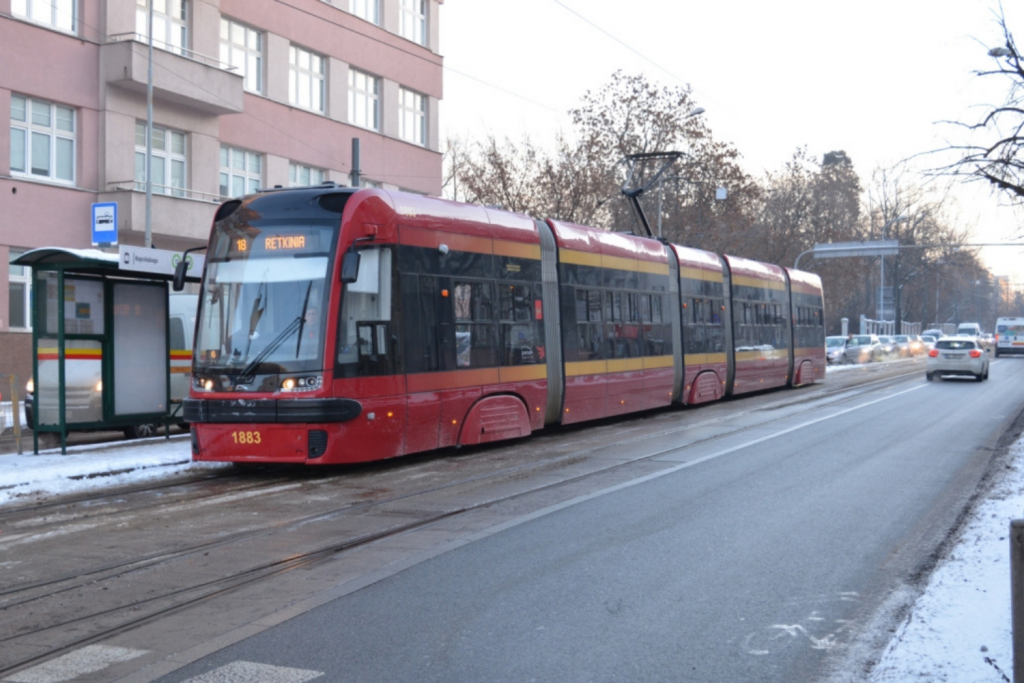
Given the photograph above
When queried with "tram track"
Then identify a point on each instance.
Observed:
(110, 617)
(77, 579)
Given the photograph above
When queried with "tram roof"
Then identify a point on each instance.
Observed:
(619, 244)
(749, 268)
(804, 282)
(697, 258)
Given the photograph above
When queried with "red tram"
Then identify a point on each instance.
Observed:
(339, 325)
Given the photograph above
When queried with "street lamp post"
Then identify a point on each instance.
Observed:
(881, 270)
(693, 112)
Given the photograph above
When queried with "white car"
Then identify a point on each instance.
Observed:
(957, 356)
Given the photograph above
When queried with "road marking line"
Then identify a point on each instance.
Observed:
(89, 659)
(253, 672)
(657, 475)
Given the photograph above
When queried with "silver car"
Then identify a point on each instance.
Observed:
(835, 350)
(957, 356)
(863, 348)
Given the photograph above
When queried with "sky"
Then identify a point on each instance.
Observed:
(874, 78)
(961, 620)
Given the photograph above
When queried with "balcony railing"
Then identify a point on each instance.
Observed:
(165, 191)
(173, 49)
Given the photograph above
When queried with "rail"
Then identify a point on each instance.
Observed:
(173, 49)
(887, 327)
(164, 190)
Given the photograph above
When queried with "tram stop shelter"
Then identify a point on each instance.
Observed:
(101, 338)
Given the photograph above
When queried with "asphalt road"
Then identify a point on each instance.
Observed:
(767, 555)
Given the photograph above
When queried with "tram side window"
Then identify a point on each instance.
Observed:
(366, 340)
(809, 330)
(622, 338)
(695, 329)
(657, 334)
(476, 335)
(420, 326)
(521, 334)
(714, 333)
(589, 327)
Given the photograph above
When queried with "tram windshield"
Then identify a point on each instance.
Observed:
(264, 298)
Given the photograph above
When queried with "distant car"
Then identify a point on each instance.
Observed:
(970, 329)
(988, 342)
(929, 341)
(938, 334)
(917, 347)
(902, 342)
(835, 350)
(863, 348)
(957, 356)
(889, 348)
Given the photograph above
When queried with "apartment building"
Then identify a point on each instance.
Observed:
(246, 94)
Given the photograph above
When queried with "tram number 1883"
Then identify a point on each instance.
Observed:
(245, 437)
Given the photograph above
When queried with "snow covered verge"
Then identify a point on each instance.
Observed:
(959, 630)
(33, 478)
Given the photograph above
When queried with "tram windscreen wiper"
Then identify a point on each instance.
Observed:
(295, 324)
(259, 305)
(302, 319)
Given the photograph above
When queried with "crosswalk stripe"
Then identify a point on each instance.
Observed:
(89, 659)
(253, 672)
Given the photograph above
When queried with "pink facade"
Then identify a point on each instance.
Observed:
(73, 90)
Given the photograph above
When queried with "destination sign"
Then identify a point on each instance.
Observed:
(298, 242)
(284, 242)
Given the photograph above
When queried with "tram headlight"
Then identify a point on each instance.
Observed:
(202, 383)
(302, 383)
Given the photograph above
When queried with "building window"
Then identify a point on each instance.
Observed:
(367, 9)
(58, 14)
(306, 79)
(169, 160)
(414, 20)
(241, 172)
(242, 48)
(413, 116)
(19, 308)
(169, 27)
(363, 99)
(42, 139)
(304, 176)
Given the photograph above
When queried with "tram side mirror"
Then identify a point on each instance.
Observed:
(179, 275)
(350, 267)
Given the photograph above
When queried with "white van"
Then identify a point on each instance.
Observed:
(970, 329)
(181, 313)
(1009, 336)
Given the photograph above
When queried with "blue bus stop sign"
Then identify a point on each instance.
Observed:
(104, 224)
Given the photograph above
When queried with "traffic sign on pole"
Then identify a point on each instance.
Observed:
(104, 224)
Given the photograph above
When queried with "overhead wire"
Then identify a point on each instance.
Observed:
(620, 42)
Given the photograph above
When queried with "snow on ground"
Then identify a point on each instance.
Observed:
(960, 628)
(30, 478)
(958, 631)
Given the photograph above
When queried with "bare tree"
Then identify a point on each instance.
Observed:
(995, 153)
